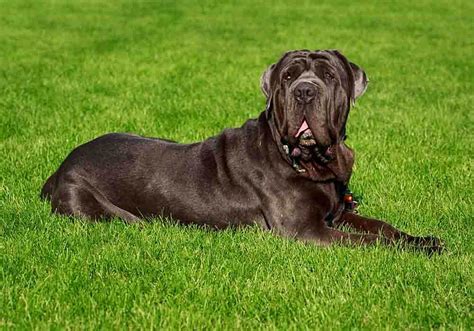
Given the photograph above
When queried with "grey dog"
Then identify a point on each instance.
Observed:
(286, 171)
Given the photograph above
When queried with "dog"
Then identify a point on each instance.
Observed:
(286, 171)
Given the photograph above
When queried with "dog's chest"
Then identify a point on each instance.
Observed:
(304, 204)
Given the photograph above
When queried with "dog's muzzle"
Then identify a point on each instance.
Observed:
(304, 92)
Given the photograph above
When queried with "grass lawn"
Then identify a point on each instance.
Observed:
(70, 71)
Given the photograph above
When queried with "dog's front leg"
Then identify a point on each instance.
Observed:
(373, 226)
(327, 236)
(370, 225)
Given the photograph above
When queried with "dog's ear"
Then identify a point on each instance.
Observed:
(360, 80)
(265, 82)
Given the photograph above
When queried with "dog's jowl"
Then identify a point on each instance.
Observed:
(286, 171)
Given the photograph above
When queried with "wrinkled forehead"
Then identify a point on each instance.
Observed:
(307, 59)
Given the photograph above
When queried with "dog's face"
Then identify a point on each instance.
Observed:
(309, 94)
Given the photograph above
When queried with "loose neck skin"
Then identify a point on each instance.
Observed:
(339, 169)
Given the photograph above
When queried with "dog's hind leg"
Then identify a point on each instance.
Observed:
(48, 187)
(74, 196)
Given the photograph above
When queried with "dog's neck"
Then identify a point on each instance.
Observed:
(338, 169)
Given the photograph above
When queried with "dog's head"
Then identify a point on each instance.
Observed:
(312, 89)
(309, 94)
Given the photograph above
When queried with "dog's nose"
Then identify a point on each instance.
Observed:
(305, 92)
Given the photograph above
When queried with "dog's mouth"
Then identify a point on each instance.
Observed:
(307, 148)
(305, 136)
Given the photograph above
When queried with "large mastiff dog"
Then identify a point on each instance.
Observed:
(286, 171)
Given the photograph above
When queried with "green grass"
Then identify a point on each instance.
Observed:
(70, 71)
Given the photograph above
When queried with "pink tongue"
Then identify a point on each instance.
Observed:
(302, 129)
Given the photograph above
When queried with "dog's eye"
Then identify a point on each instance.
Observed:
(287, 76)
(328, 75)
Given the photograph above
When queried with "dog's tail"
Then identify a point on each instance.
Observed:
(48, 187)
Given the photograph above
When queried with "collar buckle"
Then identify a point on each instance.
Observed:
(350, 205)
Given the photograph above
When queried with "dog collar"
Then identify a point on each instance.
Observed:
(294, 162)
(294, 154)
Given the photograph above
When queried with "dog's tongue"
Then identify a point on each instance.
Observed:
(303, 128)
